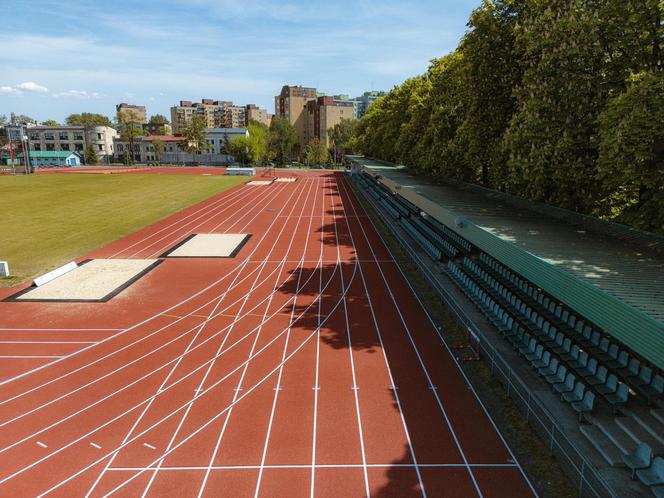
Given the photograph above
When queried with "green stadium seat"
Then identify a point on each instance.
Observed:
(590, 369)
(599, 378)
(550, 369)
(576, 394)
(584, 406)
(653, 475)
(542, 362)
(631, 370)
(566, 386)
(618, 398)
(608, 387)
(640, 459)
(557, 377)
(621, 362)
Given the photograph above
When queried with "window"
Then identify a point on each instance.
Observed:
(99, 136)
(36, 146)
(101, 147)
(79, 147)
(49, 136)
(34, 137)
(78, 137)
(64, 146)
(64, 136)
(50, 147)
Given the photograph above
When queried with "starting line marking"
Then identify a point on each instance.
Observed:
(39, 443)
(95, 445)
(149, 446)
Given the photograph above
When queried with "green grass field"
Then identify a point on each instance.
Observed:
(48, 220)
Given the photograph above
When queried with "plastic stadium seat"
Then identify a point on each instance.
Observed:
(610, 355)
(558, 377)
(550, 369)
(567, 386)
(644, 378)
(618, 398)
(599, 378)
(601, 349)
(632, 369)
(573, 354)
(640, 459)
(590, 369)
(542, 362)
(621, 362)
(608, 387)
(537, 355)
(529, 348)
(564, 348)
(576, 394)
(653, 475)
(653, 390)
(584, 406)
(580, 363)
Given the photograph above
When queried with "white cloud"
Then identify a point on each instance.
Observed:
(31, 86)
(79, 94)
(9, 90)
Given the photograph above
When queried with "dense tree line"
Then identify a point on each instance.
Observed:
(558, 101)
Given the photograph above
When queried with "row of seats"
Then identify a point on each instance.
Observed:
(650, 472)
(460, 242)
(510, 314)
(640, 377)
(443, 244)
(564, 382)
(428, 246)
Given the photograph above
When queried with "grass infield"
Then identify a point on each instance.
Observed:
(48, 220)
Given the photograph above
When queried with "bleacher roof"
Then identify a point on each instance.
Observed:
(630, 269)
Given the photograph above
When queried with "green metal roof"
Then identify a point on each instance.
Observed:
(615, 283)
(49, 154)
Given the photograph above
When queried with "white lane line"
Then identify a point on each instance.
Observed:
(39, 443)
(57, 330)
(149, 446)
(95, 445)
(453, 357)
(355, 387)
(188, 349)
(316, 387)
(278, 387)
(48, 342)
(421, 362)
(253, 346)
(29, 357)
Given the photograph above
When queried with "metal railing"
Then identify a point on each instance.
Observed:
(587, 479)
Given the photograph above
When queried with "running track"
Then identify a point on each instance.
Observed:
(303, 366)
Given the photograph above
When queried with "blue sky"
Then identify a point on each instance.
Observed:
(60, 57)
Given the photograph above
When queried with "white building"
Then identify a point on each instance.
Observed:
(73, 139)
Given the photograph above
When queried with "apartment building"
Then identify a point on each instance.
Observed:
(291, 104)
(138, 110)
(144, 147)
(73, 139)
(216, 113)
(255, 113)
(363, 102)
(324, 113)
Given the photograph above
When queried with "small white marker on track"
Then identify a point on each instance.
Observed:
(278, 388)
(237, 389)
(355, 387)
(149, 446)
(316, 388)
(433, 388)
(39, 443)
(95, 445)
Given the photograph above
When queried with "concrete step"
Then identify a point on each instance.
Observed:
(617, 436)
(658, 413)
(638, 434)
(654, 426)
(604, 446)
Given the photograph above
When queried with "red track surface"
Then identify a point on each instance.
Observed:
(304, 366)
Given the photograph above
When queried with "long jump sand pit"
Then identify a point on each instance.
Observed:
(209, 245)
(259, 183)
(96, 280)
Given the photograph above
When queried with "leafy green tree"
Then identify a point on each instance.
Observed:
(88, 119)
(239, 148)
(316, 153)
(158, 119)
(17, 119)
(341, 137)
(194, 136)
(158, 147)
(50, 122)
(129, 127)
(282, 140)
(631, 160)
(90, 156)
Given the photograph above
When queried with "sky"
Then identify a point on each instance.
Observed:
(59, 58)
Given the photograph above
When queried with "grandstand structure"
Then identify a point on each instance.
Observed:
(577, 302)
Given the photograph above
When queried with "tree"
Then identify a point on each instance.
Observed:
(282, 140)
(341, 138)
(194, 136)
(631, 159)
(129, 126)
(238, 147)
(158, 147)
(316, 153)
(161, 121)
(88, 119)
(90, 156)
(18, 119)
(50, 122)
